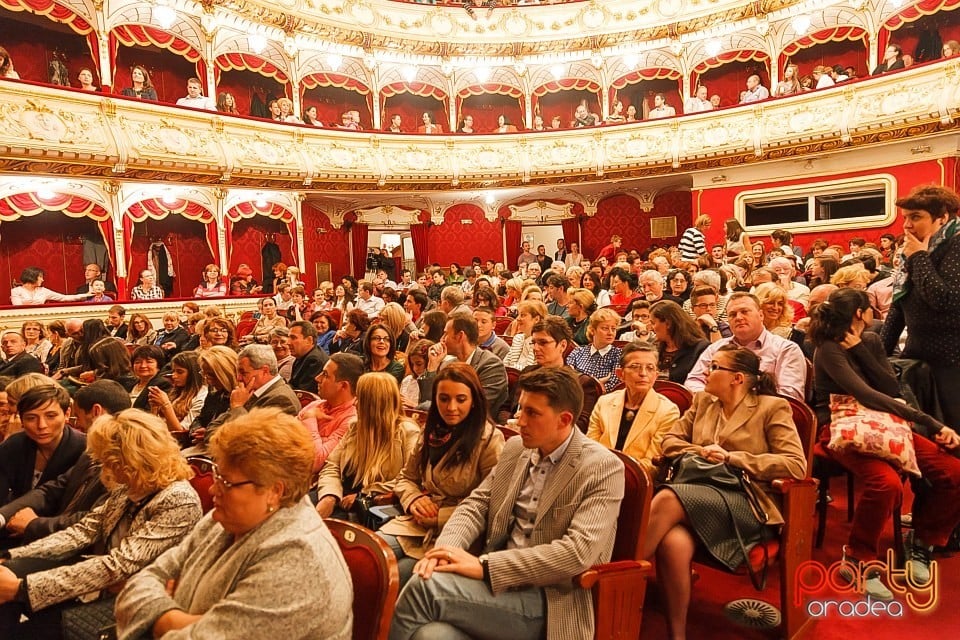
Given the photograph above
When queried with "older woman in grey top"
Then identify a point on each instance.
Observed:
(256, 566)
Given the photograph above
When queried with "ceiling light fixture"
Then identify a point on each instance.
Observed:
(257, 42)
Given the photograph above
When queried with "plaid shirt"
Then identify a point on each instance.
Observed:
(588, 360)
(154, 293)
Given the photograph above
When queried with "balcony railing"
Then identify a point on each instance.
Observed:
(51, 131)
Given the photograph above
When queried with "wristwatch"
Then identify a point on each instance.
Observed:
(486, 568)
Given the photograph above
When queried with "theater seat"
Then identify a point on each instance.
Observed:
(675, 393)
(376, 581)
(619, 586)
(202, 479)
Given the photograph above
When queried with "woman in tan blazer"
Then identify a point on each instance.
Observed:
(635, 419)
(737, 420)
(458, 449)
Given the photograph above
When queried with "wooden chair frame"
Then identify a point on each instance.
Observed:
(380, 605)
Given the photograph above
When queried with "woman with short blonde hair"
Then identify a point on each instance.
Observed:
(150, 507)
(854, 276)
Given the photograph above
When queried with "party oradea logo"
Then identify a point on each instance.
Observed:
(840, 589)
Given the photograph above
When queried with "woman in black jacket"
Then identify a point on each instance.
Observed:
(679, 338)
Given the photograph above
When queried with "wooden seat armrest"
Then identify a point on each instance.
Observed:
(385, 499)
(783, 485)
(596, 573)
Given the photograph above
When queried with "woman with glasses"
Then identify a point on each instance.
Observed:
(219, 332)
(680, 283)
(634, 419)
(458, 449)
(600, 357)
(280, 343)
(679, 339)
(379, 350)
(256, 566)
(363, 469)
(141, 331)
(37, 345)
(737, 420)
(212, 285)
(150, 507)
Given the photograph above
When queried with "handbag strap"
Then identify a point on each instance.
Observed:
(759, 581)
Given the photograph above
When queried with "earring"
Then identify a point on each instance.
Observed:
(270, 509)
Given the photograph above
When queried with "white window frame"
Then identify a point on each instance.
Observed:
(810, 191)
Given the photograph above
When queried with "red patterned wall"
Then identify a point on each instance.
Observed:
(187, 245)
(947, 24)
(248, 238)
(41, 241)
(622, 215)
(32, 40)
(563, 104)
(635, 94)
(718, 203)
(168, 71)
(456, 242)
(331, 246)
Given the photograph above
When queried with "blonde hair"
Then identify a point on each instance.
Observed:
(222, 363)
(583, 297)
(394, 319)
(773, 292)
(534, 308)
(850, 275)
(141, 446)
(702, 221)
(375, 437)
(268, 446)
(600, 316)
(529, 290)
(24, 383)
(212, 311)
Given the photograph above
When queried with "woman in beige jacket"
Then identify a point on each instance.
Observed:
(458, 449)
(369, 458)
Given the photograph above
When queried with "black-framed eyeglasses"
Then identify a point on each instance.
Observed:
(719, 367)
(223, 482)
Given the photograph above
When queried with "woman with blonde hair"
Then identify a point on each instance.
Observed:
(777, 312)
(520, 355)
(395, 320)
(600, 358)
(258, 563)
(368, 460)
(693, 243)
(218, 366)
(580, 305)
(150, 507)
(790, 83)
(854, 276)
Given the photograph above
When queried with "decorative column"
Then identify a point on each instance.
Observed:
(219, 215)
(103, 46)
(298, 199)
(112, 189)
(209, 26)
(290, 48)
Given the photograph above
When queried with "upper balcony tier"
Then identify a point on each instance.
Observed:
(46, 130)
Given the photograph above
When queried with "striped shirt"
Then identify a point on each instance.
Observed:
(692, 244)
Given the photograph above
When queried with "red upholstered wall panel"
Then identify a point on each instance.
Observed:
(32, 41)
(331, 102)
(187, 244)
(485, 110)
(635, 94)
(41, 241)
(331, 246)
(622, 215)
(245, 84)
(718, 203)
(456, 242)
(564, 103)
(248, 238)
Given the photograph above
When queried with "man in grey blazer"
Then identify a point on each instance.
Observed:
(258, 385)
(546, 512)
(461, 339)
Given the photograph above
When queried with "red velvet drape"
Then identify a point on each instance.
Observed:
(411, 108)
(359, 242)
(487, 108)
(420, 236)
(513, 232)
(571, 232)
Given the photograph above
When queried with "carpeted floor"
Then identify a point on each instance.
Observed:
(715, 589)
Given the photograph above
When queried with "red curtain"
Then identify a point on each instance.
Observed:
(513, 231)
(420, 236)
(571, 232)
(358, 240)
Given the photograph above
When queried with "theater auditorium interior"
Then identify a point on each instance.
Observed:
(189, 148)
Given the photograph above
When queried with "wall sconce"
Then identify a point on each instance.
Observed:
(321, 230)
(718, 179)
(919, 149)
(466, 221)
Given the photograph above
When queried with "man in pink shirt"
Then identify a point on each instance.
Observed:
(327, 419)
